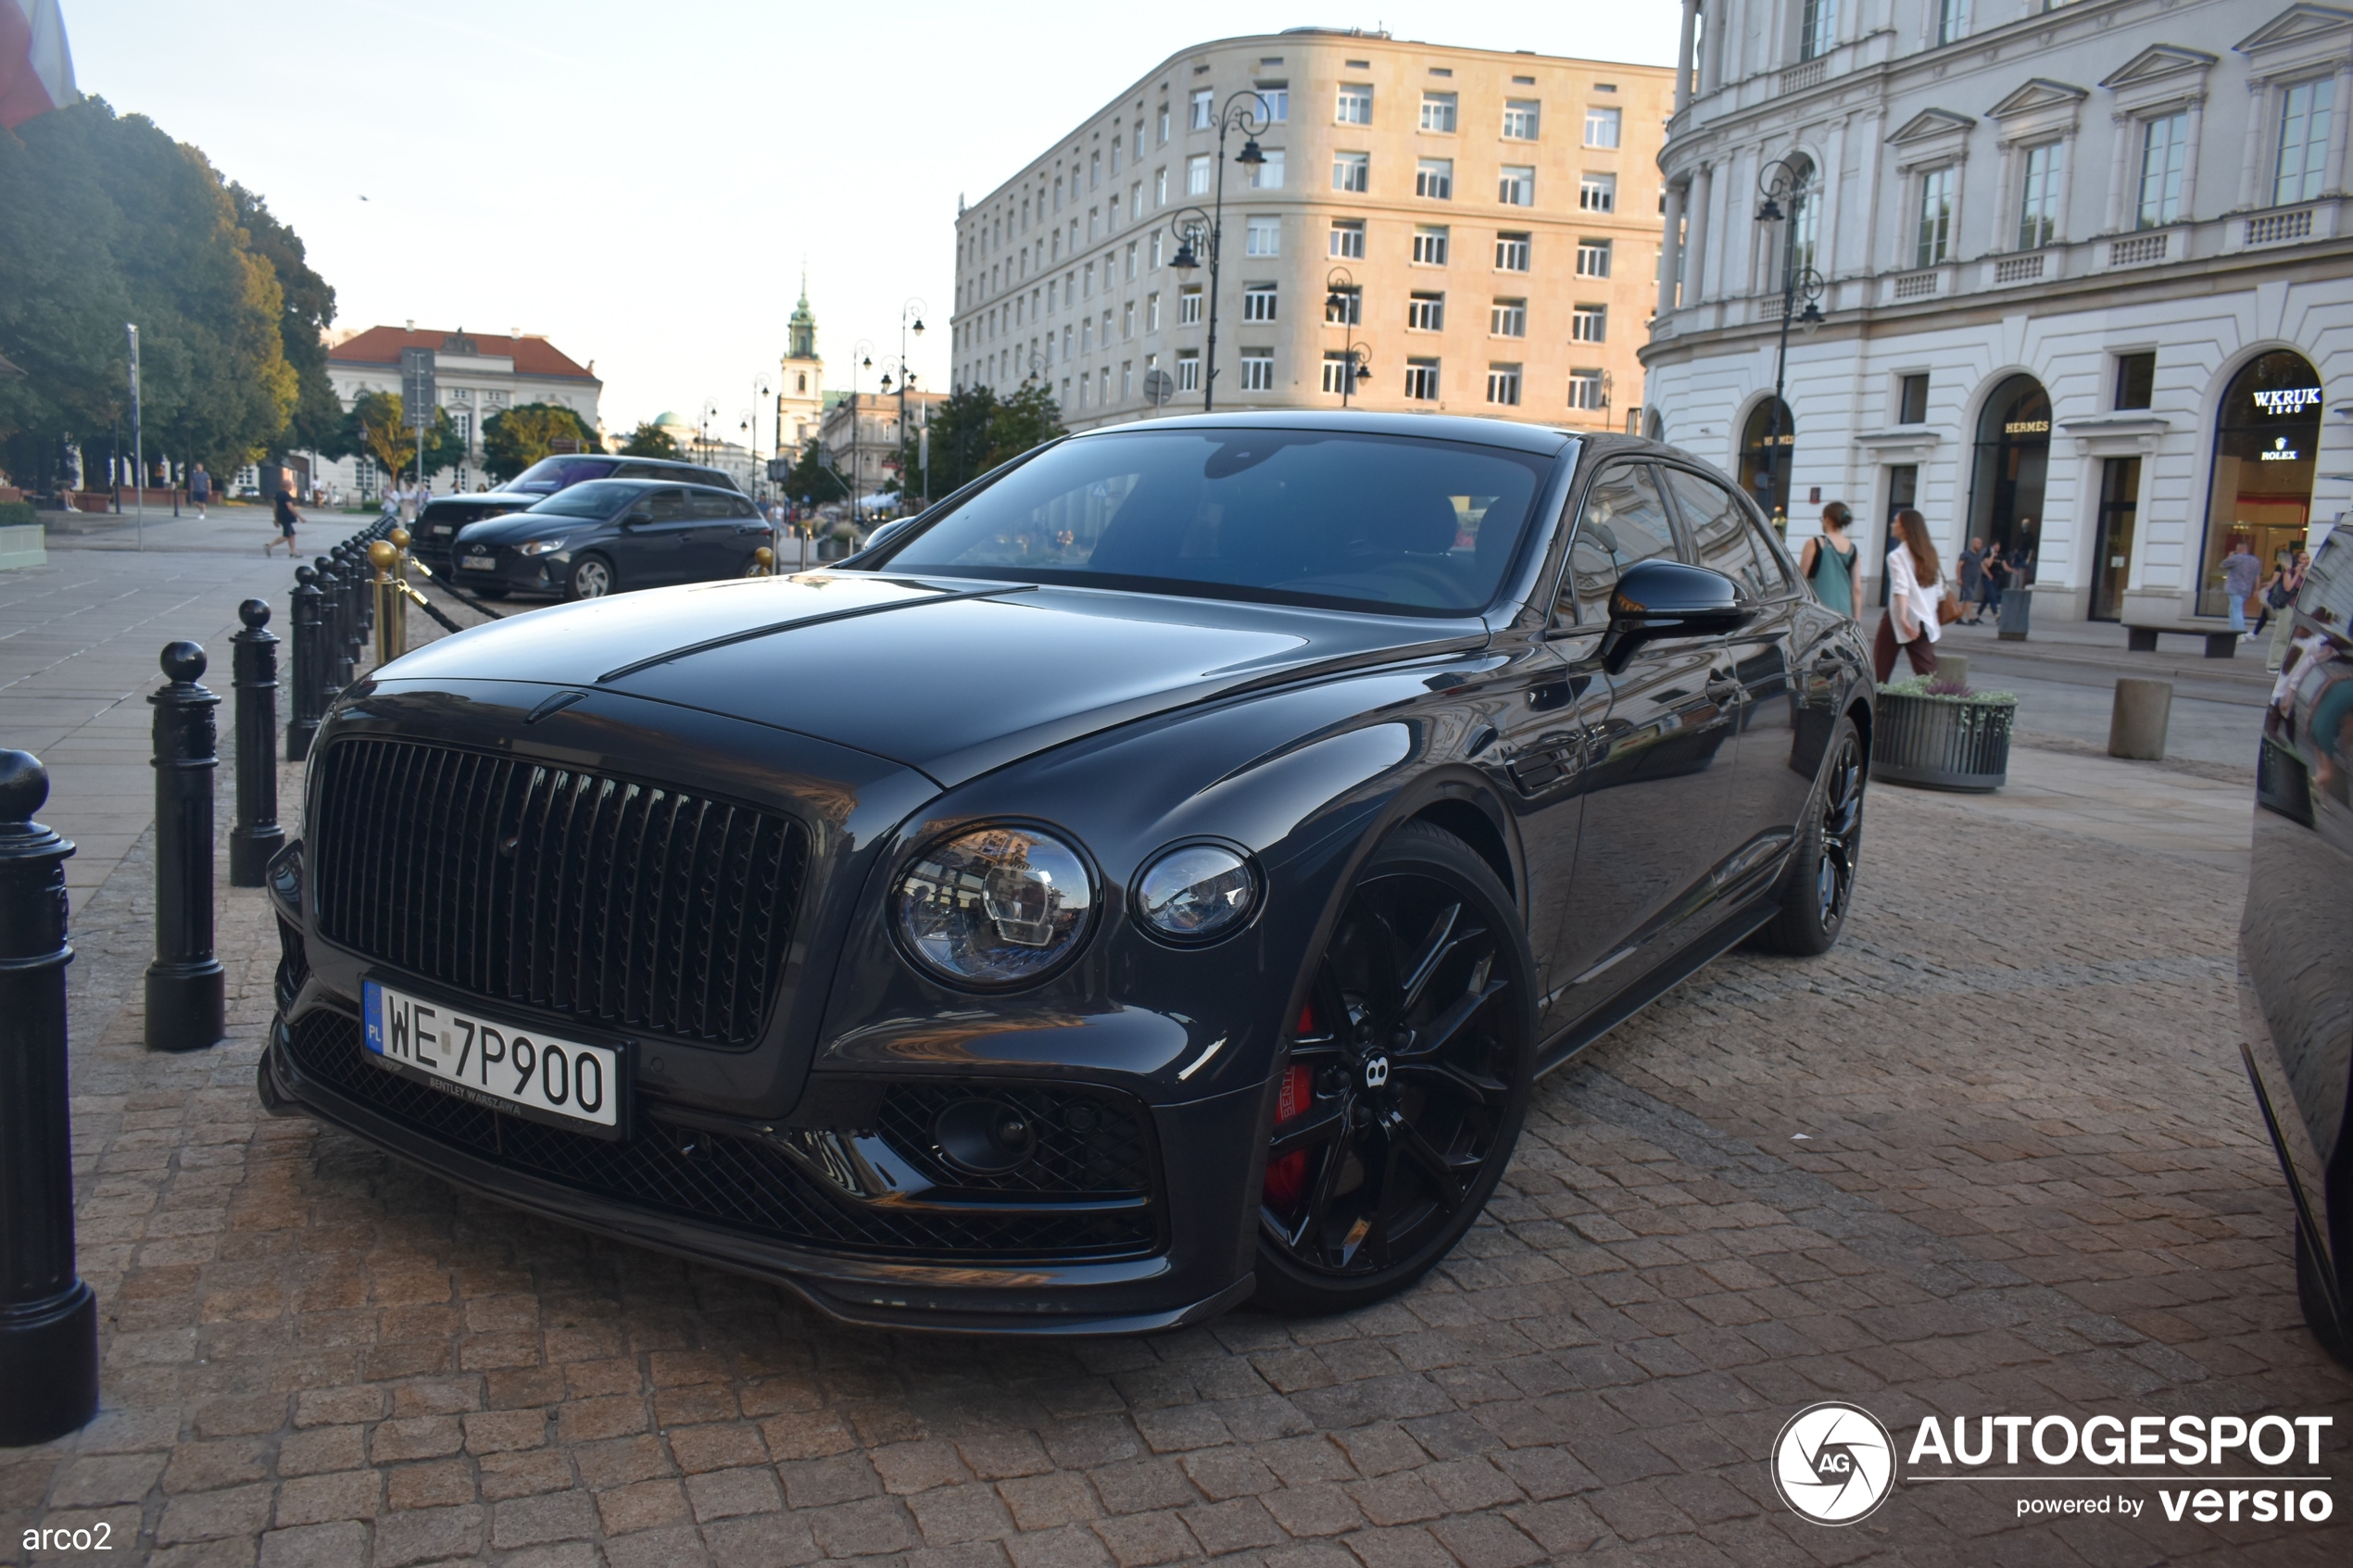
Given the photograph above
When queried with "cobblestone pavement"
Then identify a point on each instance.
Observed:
(1996, 1154)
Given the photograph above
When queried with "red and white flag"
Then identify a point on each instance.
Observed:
(36, 69)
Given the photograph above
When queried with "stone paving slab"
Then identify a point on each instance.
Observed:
(1994, 1153)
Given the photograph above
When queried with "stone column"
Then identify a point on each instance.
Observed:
(1671, 250)
(1683, 62)
(1695, 243)
(2116, 167)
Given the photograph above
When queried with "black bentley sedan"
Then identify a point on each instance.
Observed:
(1154, 877)
(2295, 939)
(610, 534)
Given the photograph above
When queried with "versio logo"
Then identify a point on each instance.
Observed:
(1834, 1462)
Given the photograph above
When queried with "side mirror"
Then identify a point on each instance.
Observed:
(633, 518)
(1658, 598)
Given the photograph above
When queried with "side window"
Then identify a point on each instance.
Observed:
(713, 478)
(1725, 537)
(668, 505)
(707, 505)
(2328, 584)
(1624, 522)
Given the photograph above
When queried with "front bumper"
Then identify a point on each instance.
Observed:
(514, 571)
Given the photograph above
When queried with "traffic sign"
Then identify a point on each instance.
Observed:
(418, 394)
(1159, 387)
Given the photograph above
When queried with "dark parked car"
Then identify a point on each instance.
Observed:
(561, 472)
(1156, 875)
(609, 535)
(437, 527)
(2295, 940)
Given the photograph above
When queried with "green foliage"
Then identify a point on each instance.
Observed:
(376, 427)
(513, 439)
(812, 480)
(18, 514)
(649, 440)
(109, 220)
(975, 431)
(309, 310)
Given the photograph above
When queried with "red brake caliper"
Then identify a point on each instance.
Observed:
(1286, 1175)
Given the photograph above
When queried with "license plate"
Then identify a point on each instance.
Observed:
(480, 563)
(444, 529)
(504, 1066)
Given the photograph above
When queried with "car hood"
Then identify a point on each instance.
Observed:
(951, 676)
(514, 528)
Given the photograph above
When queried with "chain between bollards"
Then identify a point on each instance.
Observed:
(48, 1317)
(187, 990)
(256, 835)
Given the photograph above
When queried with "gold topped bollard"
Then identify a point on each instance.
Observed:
(764, 561)
(384, 556)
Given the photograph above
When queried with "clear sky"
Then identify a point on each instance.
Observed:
(643, 182)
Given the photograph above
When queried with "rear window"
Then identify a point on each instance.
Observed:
(597, 498)
(550, 474)
(1401, 525)
(708, 505)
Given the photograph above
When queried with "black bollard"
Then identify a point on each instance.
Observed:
(48, 1318)
(309, 702)
(186, 987)
(256, 835)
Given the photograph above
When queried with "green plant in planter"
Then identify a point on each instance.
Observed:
(1978, 709)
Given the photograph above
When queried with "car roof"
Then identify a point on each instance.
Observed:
(657, 462)
(1431, 427)
(663, 483)
(476, 498)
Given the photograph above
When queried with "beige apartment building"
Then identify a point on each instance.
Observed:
(1479, 229)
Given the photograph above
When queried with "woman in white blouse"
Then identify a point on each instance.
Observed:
(1915, 584)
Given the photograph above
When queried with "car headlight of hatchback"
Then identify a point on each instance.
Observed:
(1197, 892)
(995, 906)
(543, 546)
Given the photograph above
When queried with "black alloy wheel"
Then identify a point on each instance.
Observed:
(592, 578)
(1408, 1077)
(1820, 882)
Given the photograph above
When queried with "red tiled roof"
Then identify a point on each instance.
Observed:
(533, 356)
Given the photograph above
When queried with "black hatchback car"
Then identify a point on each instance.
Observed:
(610, 534)
(2295, 939)
(1155, 876)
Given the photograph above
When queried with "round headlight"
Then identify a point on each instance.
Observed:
(1197, 892)
(998, 905)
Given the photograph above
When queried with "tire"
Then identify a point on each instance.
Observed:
(592, 578)
(1819, 887)
(1405, 1083)
(2311, 1294)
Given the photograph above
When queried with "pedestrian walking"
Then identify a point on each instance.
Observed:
(1914, 599)
(2269, 597)
(199, 488)
(284, 513)
(1973, 570)
(2240, 573)
(2281, 599)
(1829, 561)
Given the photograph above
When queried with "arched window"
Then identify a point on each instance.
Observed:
(801, 378)
(2267, 437)
(1767, 442)
(2013, 455)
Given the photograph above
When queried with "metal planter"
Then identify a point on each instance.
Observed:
(1940, 743)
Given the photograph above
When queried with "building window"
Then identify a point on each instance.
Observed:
(1597, 193)
(1196, 174)
(1126, 379)
(1353, 172)
(1911, 400)
(2306, 110)
(1152, 313)
(1188, 370)
(1437, 112)
(2038, 205)
(1511, 253)
(1277, 96)
(1103, 384)
(1204, 108)
(1160, 187)
(1188, 306)
(1503, 385)
(1430, 247)
(1421, 379)
(1508, 318)
(1136, 200)
(1089, 276)
(1589, 324)
(1258, 369)
(1157, 237)
(1520, 117)
(1094, 170)
(2135, 380)
(1164, 125)
(1817, 28)
(1426, 312)
(1262, 236)
(1258, 302)
(1131, 261)
(2164, 145)
(1588, 389)
(1593, 259)
(1356, 105)
(1952, 21)
(1127, 320)
(1602, 126)
(1348, 240)
(1344, 306)
(1267, 175)
(1434, 177)
(1518, 186)
(1338, 369)
(1935, 217)
(1086, 335)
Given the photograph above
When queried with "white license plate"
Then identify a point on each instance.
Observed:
(444, 529)
(503, 1066)
(480, 563)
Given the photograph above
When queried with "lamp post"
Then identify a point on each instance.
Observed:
(1342, 308)
(751, 429)
(861, 358)
(1192, 224)
(898, 376)
(911, 318)
(1790, 179)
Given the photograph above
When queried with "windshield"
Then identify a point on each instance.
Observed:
(599, 498)
(555, 473)
(1399, 524)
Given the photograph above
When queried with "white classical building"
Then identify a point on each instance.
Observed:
(476, 374)
(2083, 273)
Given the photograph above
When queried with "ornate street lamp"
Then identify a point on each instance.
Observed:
(1788, 178)
(1197, 230)
(1343, 309)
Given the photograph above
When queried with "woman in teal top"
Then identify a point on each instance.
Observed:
(1829, 561)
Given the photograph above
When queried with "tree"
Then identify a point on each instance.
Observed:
(974, 430)
(1029, 418)
(649, 440)
(377, 427)
(515, 438)
(812, 479)
(307, 312)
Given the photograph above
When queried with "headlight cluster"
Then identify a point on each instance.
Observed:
(997, 905)
(1196, 893)
(543, 546)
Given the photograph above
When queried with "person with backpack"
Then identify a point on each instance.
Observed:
(1829, 561)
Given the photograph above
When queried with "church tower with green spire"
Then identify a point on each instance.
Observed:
(800, 392)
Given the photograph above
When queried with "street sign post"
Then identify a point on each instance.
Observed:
(418, 397)
(1159, 387)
